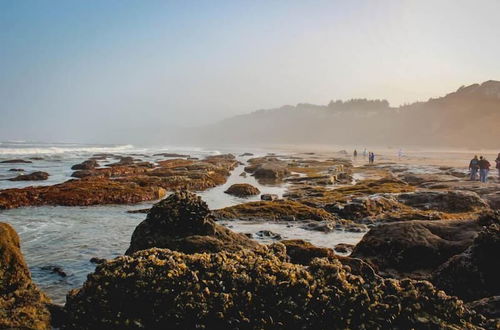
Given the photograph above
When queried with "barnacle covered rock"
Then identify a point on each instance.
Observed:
(242, 190)
(22, 305)
(183, 222)
(164, 289)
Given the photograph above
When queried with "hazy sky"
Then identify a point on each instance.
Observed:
(78, 70)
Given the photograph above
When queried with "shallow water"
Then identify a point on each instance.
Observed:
(68, 237)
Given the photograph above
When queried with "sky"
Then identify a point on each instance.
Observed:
(110, 70)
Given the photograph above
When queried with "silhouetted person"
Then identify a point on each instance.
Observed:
(355, 153)
(484, 168)
(474, 168)
(498, 165)
(371, 157)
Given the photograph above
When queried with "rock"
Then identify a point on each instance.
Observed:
(268, 234)
(55, 270)
(35, 176)
(242, 190)
(271, 171)
(15, 161)
(493, 200)
(474, 273)
(16, 170)
(183, 222)
(246, 154)
(489, 307)
(80, 193)
(22, 305)
(418, 179)
(138, 211)
(415, 248)
(269, 197)
(36, 158)
(171, 155)
(446, 201)
(164, 289)
(97, 261)
(86, 165)
(302, 252)
(343, 248)
(243, 174)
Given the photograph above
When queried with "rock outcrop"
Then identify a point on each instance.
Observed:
(128, 182)
(242, 190)
(446, 201)
(415, 248)
(15, 161)
(163, 289)
(35, 176)
(22, 305)
(183, 222)
(86, 165)
(475, 273)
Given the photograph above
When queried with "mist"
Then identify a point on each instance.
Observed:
(161, 71)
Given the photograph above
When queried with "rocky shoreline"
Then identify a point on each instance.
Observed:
(426, 261)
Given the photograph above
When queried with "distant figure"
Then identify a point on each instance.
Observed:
(371, 157)
(484, 168)
(355, 153)
(474, 168)
(364, 153)
(498, 165)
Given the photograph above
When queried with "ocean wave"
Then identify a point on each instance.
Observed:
(38, 150)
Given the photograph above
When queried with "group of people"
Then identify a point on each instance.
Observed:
(371, 155)
(482, 166)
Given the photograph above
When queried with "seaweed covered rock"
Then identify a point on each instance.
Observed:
(446, 201)
(475, 273)
(164, 289)
(35, 176)
(242, 190)
(89, 164)
(302, 252)
(22, 305)
(415, 248)
(183, 222)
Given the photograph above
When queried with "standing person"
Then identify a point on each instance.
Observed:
(484, 168)
(498, 165)
(355, 153)
(364, 153)
(474, 168)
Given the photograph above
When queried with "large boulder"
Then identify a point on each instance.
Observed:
(35, 176)
(415, 248)
(22, 305)
(184, 223)
(475, 273)
(446, 201)
(242, 190)
(164, 289)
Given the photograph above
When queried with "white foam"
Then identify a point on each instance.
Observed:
(62, 150)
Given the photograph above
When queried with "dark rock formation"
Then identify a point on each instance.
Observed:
(242, 190)
(35, 176)
(16, 170)
(489, 307)
(415, 248)
(15, 161)
(302, 252)
(183, 222)
(344, 248)
(475, 273)
(86, 165)
(171, 155)
(269, 197)
(163, 289)
(22, 305)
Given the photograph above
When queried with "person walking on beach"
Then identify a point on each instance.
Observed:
(355, 153)
(498, 165)
(484, 168)
(474, 168)
(371, 157)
